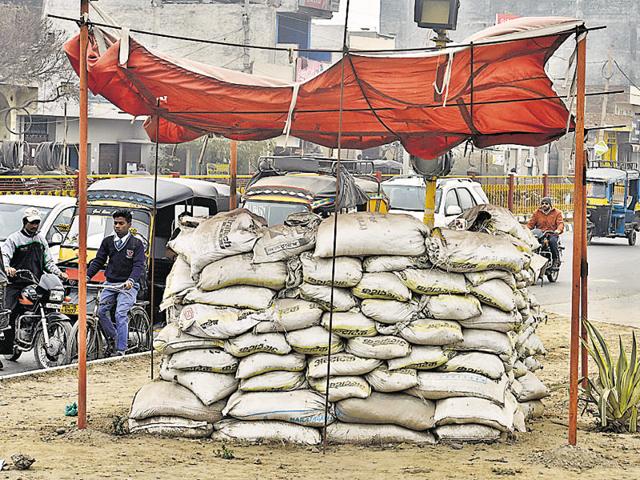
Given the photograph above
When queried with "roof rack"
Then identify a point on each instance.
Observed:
(311, 164)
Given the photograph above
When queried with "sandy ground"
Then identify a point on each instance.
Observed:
(33, 423)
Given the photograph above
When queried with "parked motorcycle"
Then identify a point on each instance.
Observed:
(549, 270)
(40, 326)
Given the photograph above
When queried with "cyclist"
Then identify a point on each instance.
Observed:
(549, 219)
(26, 249)
(124, 256)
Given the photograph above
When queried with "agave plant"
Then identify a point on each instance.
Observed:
(616, 389)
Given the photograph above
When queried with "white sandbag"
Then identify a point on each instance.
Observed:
(476, 278)
(531, 388)
(425, 331)
(264, 432)
(532, 364)
(519, 369)
(534, 346)
(393, 330)
(366, 234)
(380, 347)
(393, 263)
(349, 324)
(468, 433)
(208, 321)
(494, 319)
(171, 340)
(538, 262)
(389, 311)
(387, 409)
(314, 341)
(203, 360)
(362, 434)
(168, 399)
(343, 301)
(463, 251)
(532, 409)
(279, 381)
(450, 307)
(171, 427)
(260, 363)
(496, 219)
(476, 362)
(240, 270)
(303, 407)
(439, 385)
(281, 242)
(342, 387)
(251, 343)
(421, 358)
(223, 235)
(473, 410)
(207, 386)
(433, 281)
(179, 279)
(341, 364)
(387, 381)
(253, 298)
(384, 286)
(495, 293)
(317, 271)
(290, 314)
(485, 341)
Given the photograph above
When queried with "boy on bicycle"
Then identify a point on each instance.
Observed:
(124, 256)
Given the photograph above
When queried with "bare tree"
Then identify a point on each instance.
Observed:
(30, 48)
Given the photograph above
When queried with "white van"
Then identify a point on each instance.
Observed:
(453, 196)
(54, 210)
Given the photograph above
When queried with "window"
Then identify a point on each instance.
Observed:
(402, 197)
(63, 218)
(466, 200)
(450, 199)
(11, 217)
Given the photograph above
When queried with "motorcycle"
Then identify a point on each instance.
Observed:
(549, 270)
(40, 326)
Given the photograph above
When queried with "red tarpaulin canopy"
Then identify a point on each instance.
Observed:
(424, 100)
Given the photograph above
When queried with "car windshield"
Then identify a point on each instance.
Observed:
(11, 217)
(274, 213)
(404, 197)
(100, 226)
(596, 189)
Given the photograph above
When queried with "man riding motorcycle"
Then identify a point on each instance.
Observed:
(26, 249)
(549, 219)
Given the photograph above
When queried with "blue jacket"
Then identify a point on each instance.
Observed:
(125, 264)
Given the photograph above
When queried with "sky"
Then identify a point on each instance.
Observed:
(362, 14)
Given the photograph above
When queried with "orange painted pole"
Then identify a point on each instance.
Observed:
(82, 212)
(233, 175)
(579, 215)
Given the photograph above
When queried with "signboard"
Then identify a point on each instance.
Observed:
(498, 158)
(600, 148)
(217, 169)
(634, 95)
(326, 5)
(634, 135)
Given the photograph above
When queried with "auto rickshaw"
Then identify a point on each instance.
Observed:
(286, 185)
(613, 210)
(174, 197)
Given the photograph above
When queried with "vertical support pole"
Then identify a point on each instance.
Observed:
(545, 184)
(233, 174)
(579, 270)
(153, 246)
(584, 304)
(82, 212)
(430, 201)
(511, 191)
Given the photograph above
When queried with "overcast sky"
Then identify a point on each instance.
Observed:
(362, 13)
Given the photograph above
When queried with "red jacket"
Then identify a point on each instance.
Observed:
(547, 221)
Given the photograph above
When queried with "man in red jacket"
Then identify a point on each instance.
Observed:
(549, 219)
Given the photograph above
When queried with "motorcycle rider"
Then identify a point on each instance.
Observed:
(26, 249)
(547, 218)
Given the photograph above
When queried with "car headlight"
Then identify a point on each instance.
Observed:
(56, 296)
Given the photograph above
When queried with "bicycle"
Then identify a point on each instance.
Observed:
(98, 345)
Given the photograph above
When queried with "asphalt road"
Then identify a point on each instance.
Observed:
(614, 289)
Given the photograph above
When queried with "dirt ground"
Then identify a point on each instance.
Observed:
(32, 422)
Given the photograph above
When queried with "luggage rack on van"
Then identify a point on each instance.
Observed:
(310, 164)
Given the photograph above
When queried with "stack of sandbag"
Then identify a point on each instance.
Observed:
(431, 334)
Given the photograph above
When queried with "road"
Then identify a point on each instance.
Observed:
(614, 289)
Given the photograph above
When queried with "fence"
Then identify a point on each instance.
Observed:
(521, 195)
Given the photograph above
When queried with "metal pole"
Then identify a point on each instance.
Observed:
(82, 209)
(154, 219)
(579, 268)
(233, 174)
(584, 304)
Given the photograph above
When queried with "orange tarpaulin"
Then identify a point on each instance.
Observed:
(492, 93)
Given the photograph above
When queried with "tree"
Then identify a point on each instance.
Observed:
(30, 48)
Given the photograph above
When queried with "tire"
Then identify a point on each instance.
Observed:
(57, 352)
(140, 331)
(631, 238)
(95, 342)
(552, 275)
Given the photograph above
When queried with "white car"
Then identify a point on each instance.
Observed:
(54, 210)
(453, 196)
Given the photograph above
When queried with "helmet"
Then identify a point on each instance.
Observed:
(31, 215)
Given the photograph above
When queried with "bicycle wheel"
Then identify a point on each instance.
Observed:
(95, 341)
(140, 334)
